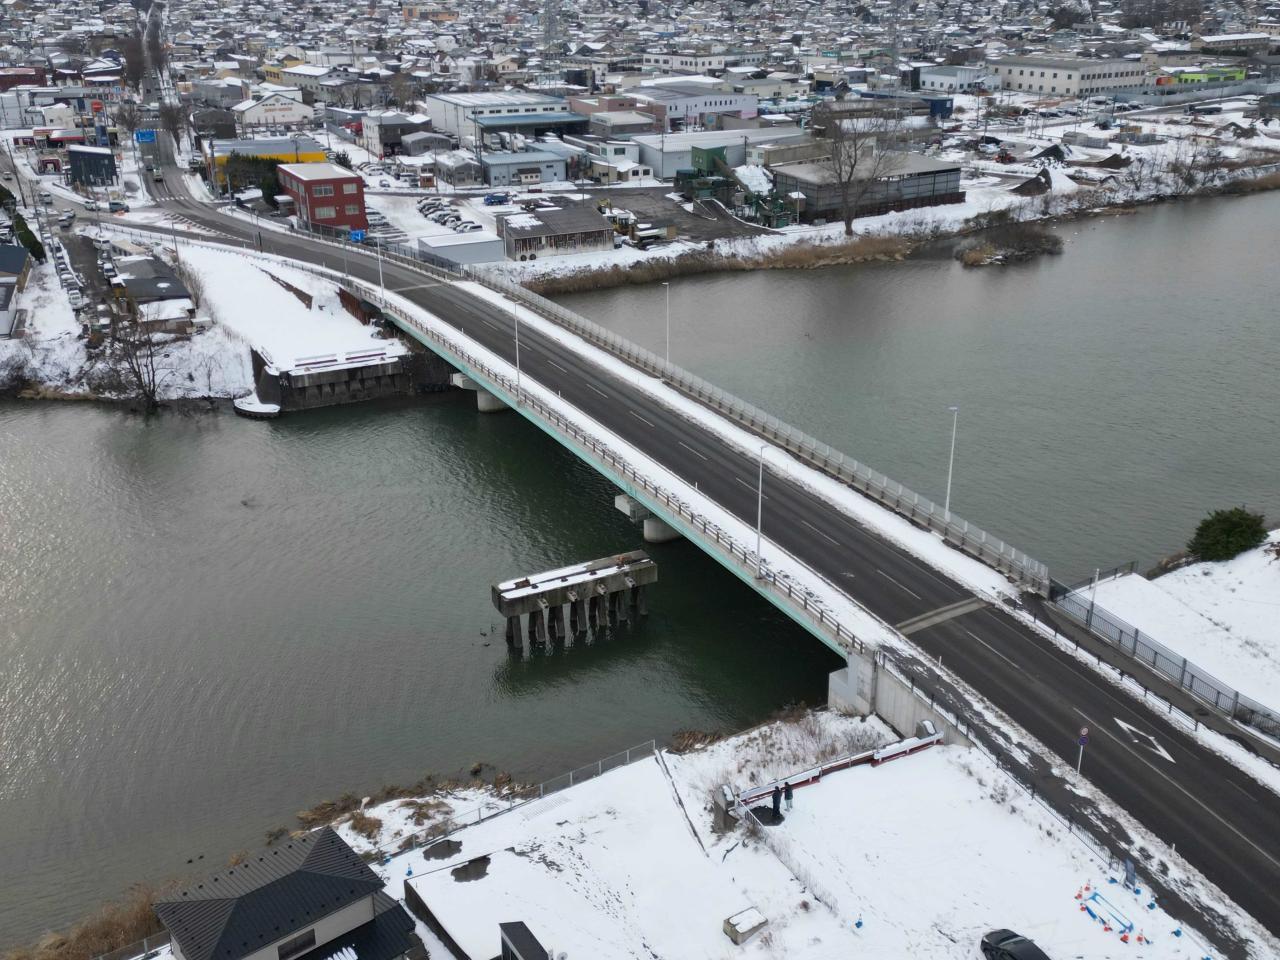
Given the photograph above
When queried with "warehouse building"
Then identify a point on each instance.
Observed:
(911, 180)
(554, 232)
(1068, 77)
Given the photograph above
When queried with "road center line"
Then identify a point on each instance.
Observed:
(900, 586)
(820, 533)
(640, 418)
(693, 451)
(1177, 786)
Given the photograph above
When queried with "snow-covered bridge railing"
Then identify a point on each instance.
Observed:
(920, 510)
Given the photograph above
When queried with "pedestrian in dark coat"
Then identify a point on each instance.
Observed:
(786, 794)
(777, 802)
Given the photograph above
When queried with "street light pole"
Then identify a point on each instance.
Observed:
(667, 287)
(760, 514)
(951, 462)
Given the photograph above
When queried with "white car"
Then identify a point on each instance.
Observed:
(6, 175)
(465, 226)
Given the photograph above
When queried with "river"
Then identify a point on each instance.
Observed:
(210, 623)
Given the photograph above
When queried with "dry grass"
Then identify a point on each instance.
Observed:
(425, 811)
(115, 925)
(977, 255)
(806, 256)
(365, 825)
(1246, 185)
(684, 741)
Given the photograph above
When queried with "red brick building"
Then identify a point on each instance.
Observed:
(11, 77)
(325, 194)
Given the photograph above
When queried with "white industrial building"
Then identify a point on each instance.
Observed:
(1067, 77)
(457, 113)
(667, 154)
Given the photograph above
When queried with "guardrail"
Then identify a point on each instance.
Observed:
(1177, 669)
(907, 503)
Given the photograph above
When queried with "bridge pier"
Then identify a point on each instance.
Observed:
(655, 530)
(515, 633)
(577, 614)
(486, 402)
(556, 624)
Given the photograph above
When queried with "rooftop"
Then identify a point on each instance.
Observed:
(318, 171)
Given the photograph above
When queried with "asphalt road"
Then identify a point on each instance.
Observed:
(1220, 819)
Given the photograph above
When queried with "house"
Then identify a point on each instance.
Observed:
(15, 265)
(153, 293)
(554, 232)
(306, 898)
(325, 194)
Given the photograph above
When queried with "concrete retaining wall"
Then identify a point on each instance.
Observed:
(865, 686)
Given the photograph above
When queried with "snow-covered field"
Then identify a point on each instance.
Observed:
(914, 858)
(1225, 617)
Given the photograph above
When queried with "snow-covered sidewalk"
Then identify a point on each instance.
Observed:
(1225, 617)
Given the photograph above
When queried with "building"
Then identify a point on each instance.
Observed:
(1068, 77)
(325, 195)
(554, 232)
(959, 79)
(306, 898)
(295, 149)
(417, 144)
(684, 62)
(686, 105)
(15, 265)
(275, 111)
(151, 292)
(307, 77)
(464, 114)
(503, 168)
(459, 248)
(911, 180)
(384, 131)
(667, 154)
(91, 166)
(614, 124)
(1239, 43)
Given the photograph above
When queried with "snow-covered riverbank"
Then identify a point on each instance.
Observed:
(1223, 616)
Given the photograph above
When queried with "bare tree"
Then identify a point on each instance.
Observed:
(134, 58)
(136, 357)
(173, 120)
(128, 116)
(863, 150)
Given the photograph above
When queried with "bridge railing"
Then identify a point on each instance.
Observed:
(807, 603)
(919, 509)
(1173, 666)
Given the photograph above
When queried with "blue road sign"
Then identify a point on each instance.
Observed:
(357, 236)
(144, 136)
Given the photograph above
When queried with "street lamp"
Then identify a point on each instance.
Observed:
(955, 418)
(760, 514)
(667, 288)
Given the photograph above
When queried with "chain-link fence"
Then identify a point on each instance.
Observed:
(1133, 643)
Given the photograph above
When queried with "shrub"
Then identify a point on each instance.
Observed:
(1226, 533)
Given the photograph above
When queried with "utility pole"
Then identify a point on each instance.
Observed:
(951, 462)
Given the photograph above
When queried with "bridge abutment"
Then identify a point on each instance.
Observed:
(486, 402)
(654, 528)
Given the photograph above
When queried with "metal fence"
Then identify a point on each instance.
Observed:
(907, 503)
(140, 949)
(1133, 643)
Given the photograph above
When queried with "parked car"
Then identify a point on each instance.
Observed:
(66, 218)
(45, 197)
(384, 183)
(466, 226)
(439, 217)
(117, 206)
(6, 175)
(494, 199)
(1007, 945)
(451, 219)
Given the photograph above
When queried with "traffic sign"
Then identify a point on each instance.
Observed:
(357, 236)
(144, 136)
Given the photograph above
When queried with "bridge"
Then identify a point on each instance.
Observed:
(1222, 821)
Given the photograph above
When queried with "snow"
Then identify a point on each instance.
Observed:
(1222, 616)
(918, 857)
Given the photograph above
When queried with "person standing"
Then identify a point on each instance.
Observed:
(777, 803)
(786, 794)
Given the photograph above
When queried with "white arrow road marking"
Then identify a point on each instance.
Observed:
(1145, 739)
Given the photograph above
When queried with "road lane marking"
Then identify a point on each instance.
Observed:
(598, 390)
(1181, 789)
(900, 586)
(691, 450)
(820, 533)
(1144, 738)
(640, 418)
(750, 486)
(557, 366)
(993, 650)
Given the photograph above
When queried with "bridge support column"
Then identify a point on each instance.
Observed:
(577, 616)
(852, 689)
(555, 622)
(658, 531)
(537, 628)
(486, 402)
(638, 601)
(515, 633)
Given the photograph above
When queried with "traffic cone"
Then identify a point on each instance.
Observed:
(1079, 894)
(1124, 938)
